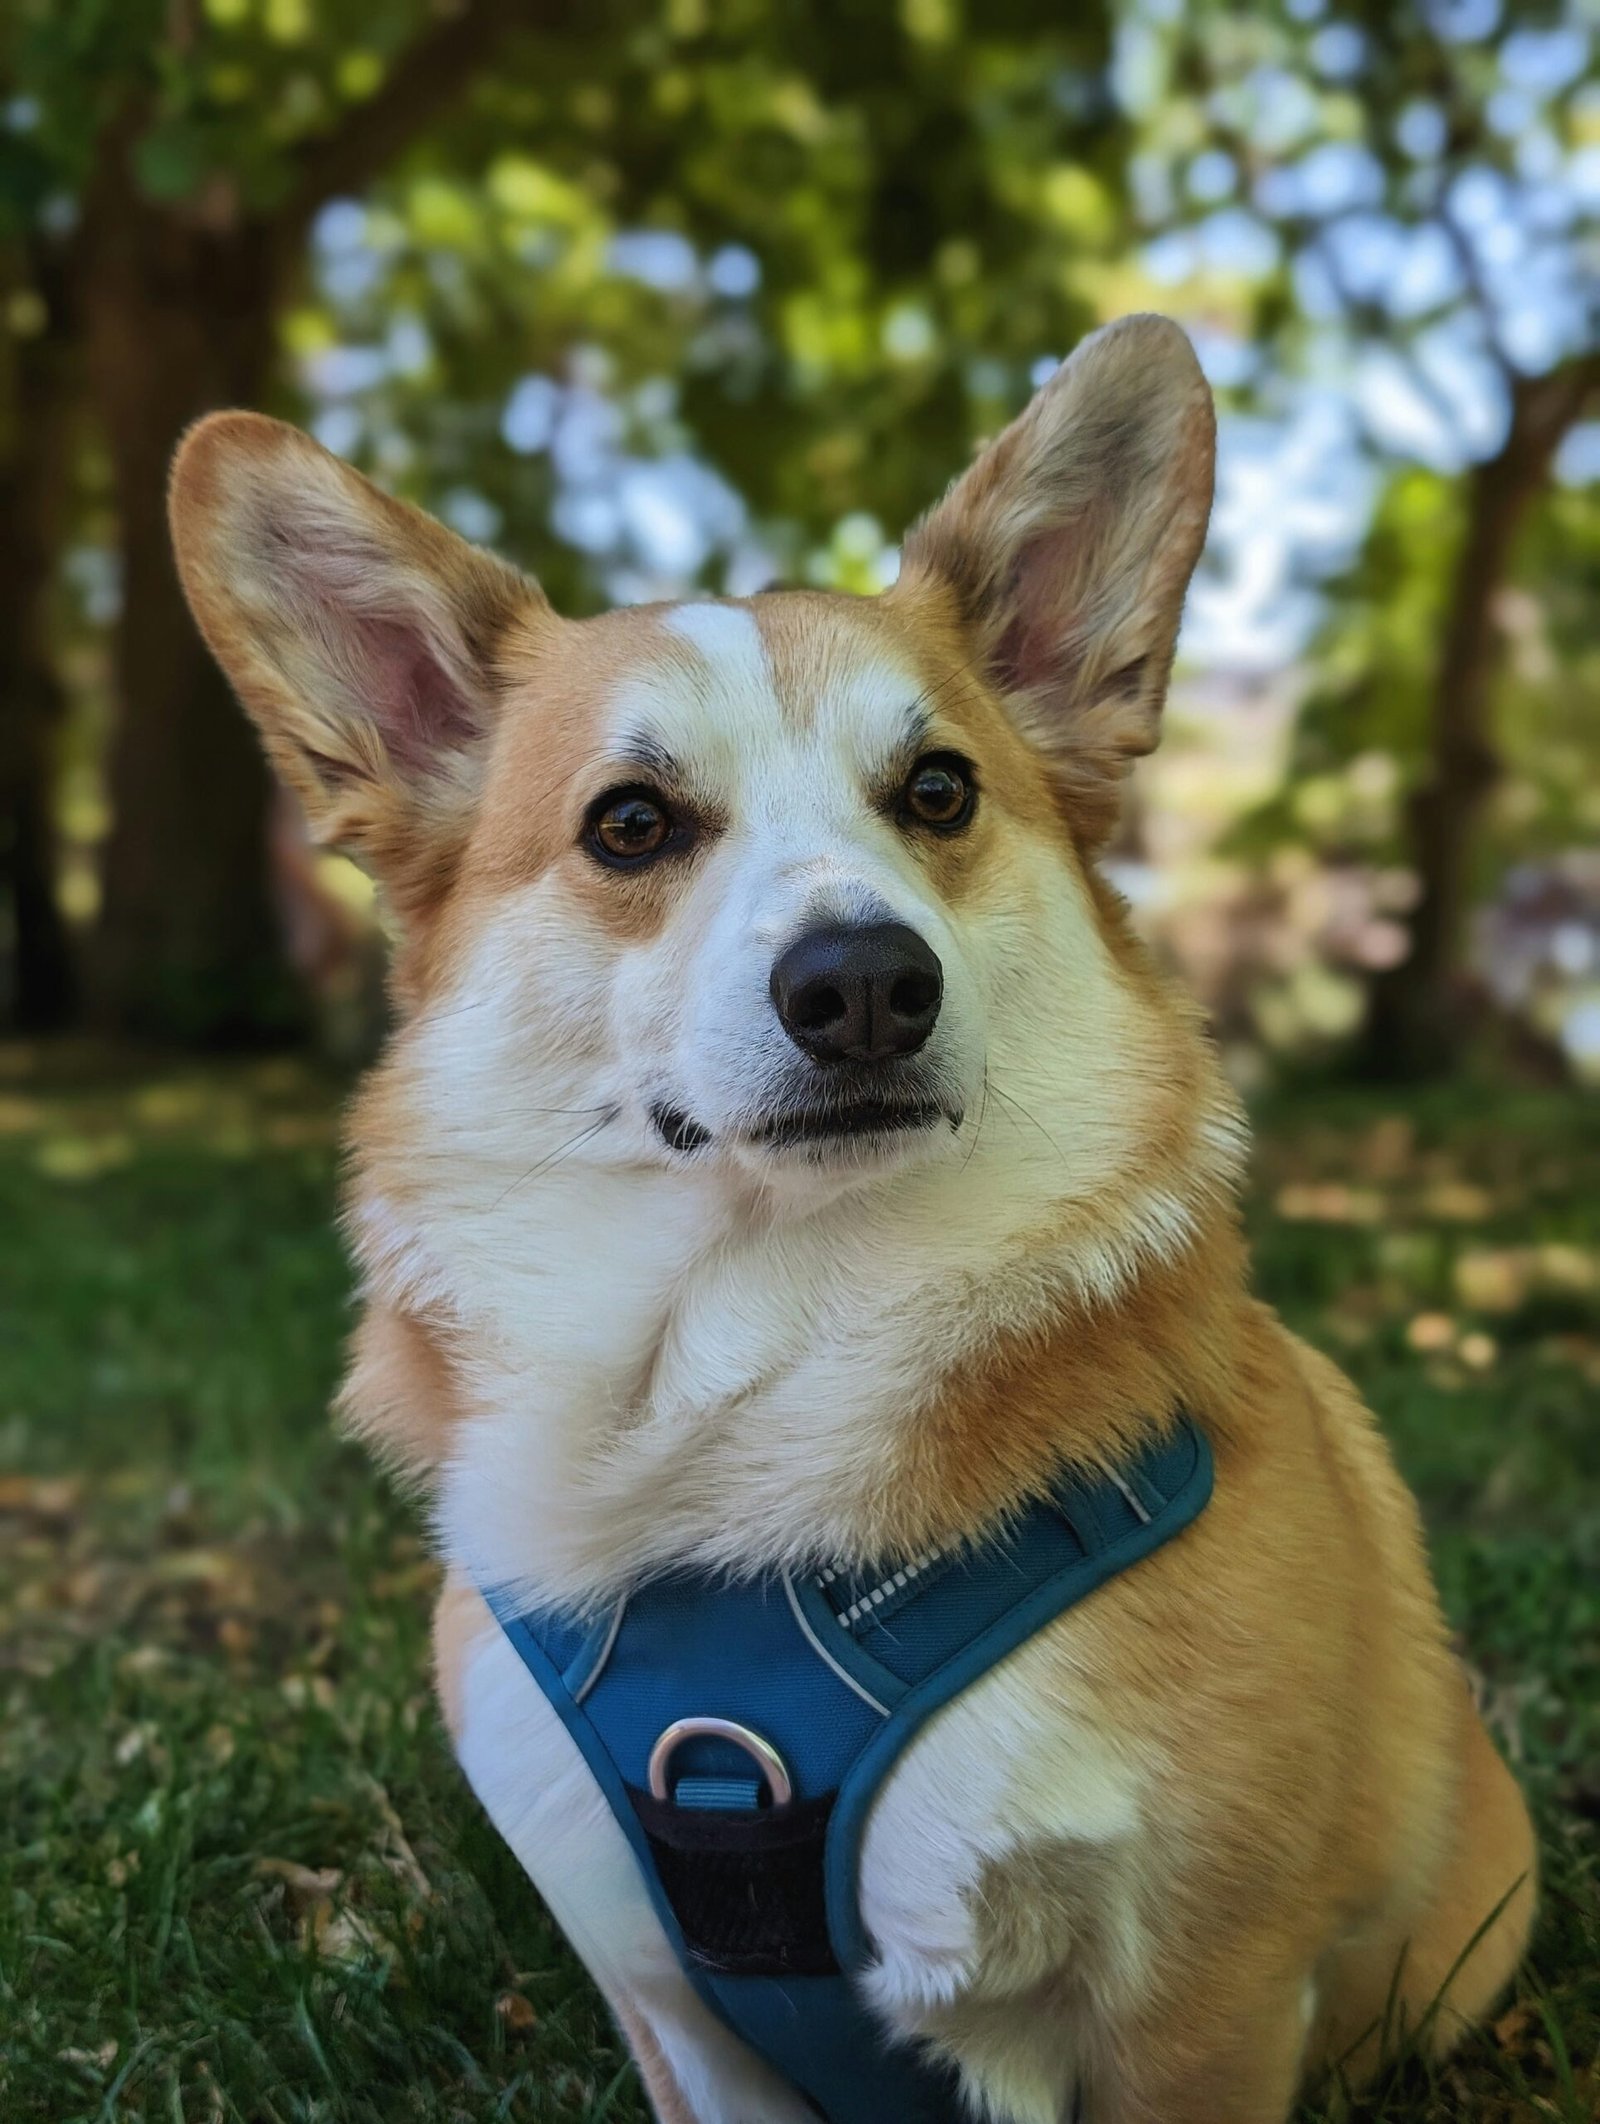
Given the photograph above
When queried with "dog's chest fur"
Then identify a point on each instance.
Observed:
(647, 1371)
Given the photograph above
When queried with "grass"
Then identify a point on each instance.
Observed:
(240, 1877)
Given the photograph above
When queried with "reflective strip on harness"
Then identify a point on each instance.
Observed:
(820, 1682)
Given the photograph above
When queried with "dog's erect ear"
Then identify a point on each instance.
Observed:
(360, 634)
(1069, 545)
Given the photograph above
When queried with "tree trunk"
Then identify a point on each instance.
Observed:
(36, 974)
(179, 319)
(179, 308)
(1419, 1009)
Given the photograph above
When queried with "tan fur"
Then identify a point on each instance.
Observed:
(400, 1393)
(1335, 1686)
(1319, 1805)
(459, 1621)
(233, 472)
(654, 2070)
(545, 769)
(1370, 1828)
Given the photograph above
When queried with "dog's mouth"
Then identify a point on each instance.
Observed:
(679, 1131)
(857, 1121)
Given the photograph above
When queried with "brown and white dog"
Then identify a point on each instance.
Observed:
(786, 1152)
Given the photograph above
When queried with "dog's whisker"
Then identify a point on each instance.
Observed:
(573, 1143)
(460, 1010)
(521, 1113)
(1006, 1099)
(983, 1110)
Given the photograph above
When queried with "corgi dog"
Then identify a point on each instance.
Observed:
(787, 1156)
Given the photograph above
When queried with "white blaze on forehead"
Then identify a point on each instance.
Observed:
(729, 640)
(709, 709)
(858, 707)
(867, 705)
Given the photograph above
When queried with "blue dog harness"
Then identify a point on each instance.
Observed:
(740, 1731)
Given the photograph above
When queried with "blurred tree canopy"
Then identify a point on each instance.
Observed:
(661, 292)
(1402, 193)
(904, 217)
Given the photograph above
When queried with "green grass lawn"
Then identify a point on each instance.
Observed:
(240, 1877)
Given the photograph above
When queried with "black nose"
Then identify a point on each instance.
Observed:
(858, 994)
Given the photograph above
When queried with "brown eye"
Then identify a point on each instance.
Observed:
(629, 826)
(939, 792)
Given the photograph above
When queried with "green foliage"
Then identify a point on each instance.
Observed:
(1341, 132)
(1381, 204)
(926, 209)
(1552, 733)
(1362, 737)
(241, 1877)
(874, 227)
(933, 202)
(217, 91)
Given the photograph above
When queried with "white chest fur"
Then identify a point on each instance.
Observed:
(649, 1373)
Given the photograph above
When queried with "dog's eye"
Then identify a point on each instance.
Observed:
(629, 826)
(939, 792)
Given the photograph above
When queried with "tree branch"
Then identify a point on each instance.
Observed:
(1477, 287)
(1543, 408)
(423, 82)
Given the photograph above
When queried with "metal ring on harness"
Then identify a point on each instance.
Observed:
(761, 1752)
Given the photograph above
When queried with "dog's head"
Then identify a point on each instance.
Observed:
(781, 888)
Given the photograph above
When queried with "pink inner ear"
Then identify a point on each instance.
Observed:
(371, 633)
(1034, 650)
(418, 707)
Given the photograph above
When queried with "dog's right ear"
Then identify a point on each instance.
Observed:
(1067, 549)
(361, 635)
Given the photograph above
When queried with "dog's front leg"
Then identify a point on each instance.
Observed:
(542, 1797)
(666, 2097)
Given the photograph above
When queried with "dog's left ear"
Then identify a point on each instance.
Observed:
(1069, 545)
(362, 637)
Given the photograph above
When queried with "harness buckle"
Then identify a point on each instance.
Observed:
(761, 1752)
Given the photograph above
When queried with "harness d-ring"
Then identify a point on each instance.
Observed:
(761, 1752)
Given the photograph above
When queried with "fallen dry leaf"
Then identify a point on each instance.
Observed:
(211, 2095)
(1478, 1351)
(1431, 1332)
(144, 1659)
(40, 1497)
(97, 2060)
(303, 1690)
(220, 1743)
(515, 2012)
(1502, 1279)
(1513, 2028)
(1328, 1202)
(394, 1848)
(303, 1886)
(342, 1935)
(1493, 1279)
(1457, 1202)
(133, 1744)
